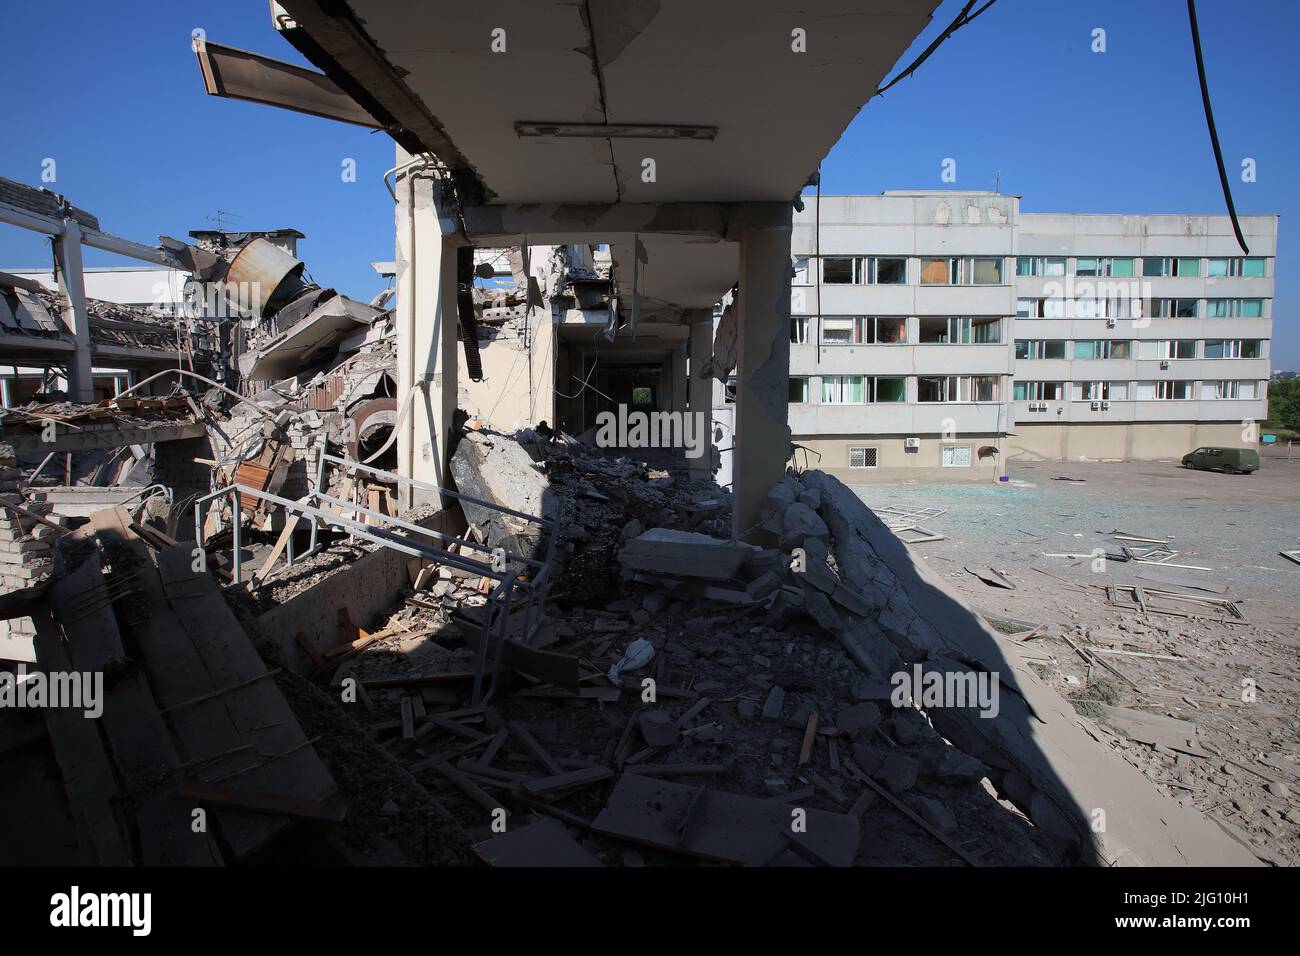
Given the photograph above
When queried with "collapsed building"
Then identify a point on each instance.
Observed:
(367, 609)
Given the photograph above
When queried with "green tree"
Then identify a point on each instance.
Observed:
(1284, 403)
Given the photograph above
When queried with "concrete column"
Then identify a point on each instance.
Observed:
(679, 380)
(700, 392)
(72, 287)
(542, 356)
(762, 440)
(427, 339)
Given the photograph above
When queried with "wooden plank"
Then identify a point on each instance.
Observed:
(290, 526)
(565, 781)
(545, 843)
(809, 737)
(206, 650)
(140, 744)
(273, 803)
(408, 718)
(87, 774)
(725, 827)
(538, 751)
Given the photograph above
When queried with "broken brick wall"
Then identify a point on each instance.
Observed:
(184, 467)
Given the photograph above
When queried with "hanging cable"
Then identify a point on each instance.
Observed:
(1214, 133)
(962, 18)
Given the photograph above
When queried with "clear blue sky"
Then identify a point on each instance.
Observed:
(139, 144)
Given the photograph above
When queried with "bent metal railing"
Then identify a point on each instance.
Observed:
(522, 582)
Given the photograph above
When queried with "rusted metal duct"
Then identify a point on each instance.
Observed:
(262, 279)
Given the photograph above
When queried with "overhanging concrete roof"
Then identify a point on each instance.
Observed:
(704, 63)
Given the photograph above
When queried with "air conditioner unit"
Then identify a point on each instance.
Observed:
(1110, 322)
(1095, 406)
(911, 443)
(1105, 406)
(1164, 364)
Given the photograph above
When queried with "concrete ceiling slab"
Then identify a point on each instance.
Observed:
(721, 63)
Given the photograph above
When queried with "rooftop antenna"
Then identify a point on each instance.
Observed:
(219, 220)
(997, 181)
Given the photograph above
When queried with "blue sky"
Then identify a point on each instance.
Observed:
(1019, 91)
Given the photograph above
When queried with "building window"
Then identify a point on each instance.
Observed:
(1234, 266)
(1036, 349)
(890, 331)
(843, 390)
(1030, 308)
(1173, 308)
(1038, 391)
(863, 457)
(1233, 348)
(1164, 349)
(956, 456)
(960, 331)
(948, 389)
(934, 271)
(889, 389)
(1103, 266)
(799, 329)
(862, 330)
(842, 330)
(1098, 391)
(890, 271)
(962, 270)
(1217, 390)
(798, 389)
(1234, 308)
(1102, 349)
(1154, 267)
(1028, 265)
(844, 270)
(1164, 391)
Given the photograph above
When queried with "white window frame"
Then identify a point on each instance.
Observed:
(870, 456)
(956, 456)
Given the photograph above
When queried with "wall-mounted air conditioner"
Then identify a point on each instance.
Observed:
(911, 443)
(1164, 364)
(1095, 406)
(1105, 406)
(1110, 322)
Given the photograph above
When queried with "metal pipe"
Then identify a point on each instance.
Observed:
(203, 378)
(426, 531)
(425, 486)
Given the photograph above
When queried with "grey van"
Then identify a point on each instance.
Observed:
(1232, 461)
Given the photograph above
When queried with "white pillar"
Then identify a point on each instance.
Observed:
(427, 331)
(700, 392)
(72, 287)
(762, 439)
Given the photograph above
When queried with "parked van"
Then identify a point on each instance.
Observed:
(1232, 461)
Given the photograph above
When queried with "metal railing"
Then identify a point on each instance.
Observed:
(522, 581)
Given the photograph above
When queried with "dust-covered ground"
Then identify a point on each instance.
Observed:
(1238, 683)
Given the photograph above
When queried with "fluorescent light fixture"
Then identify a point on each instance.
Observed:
(616, 130)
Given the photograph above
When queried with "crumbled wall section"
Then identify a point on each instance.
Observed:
(183, 467)
(26, 547)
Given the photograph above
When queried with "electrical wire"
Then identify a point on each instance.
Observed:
(961, 20)
(1214, 133)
